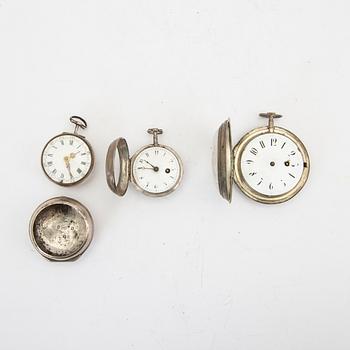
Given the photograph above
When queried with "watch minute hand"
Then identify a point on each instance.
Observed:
(149, 163)
(155, 168)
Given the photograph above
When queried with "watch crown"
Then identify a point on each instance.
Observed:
(155, 132)
(271, 116)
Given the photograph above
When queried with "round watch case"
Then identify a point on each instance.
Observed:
(79, 122)
(61, 229)
(126, 164)
(229, 162)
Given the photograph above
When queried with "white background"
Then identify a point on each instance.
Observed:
(190, 271)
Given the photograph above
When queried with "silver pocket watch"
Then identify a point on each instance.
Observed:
(61, 228)
(155, 170)
(68, 159)
(269, 164)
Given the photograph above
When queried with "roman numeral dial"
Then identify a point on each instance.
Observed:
(67, 159)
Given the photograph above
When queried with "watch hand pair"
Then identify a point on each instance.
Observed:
(155, 168)
(66, 160)
(72, 155)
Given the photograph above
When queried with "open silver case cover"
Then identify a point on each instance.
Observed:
(225, 160)
(121, 186)
(61, 229)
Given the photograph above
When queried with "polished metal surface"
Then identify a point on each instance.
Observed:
(121, 187)
(61, 229)
(225, 161)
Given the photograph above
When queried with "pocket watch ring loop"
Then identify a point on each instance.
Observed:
(79, 123)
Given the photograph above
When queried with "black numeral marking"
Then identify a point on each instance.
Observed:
(254, 151)
(249, 161)
(252, 173)
(291, 175)
(271, 186)
(283, 145)
(273, 142)
(262, 144)
(259, 183)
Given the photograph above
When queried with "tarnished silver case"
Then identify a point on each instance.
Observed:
(61, 229)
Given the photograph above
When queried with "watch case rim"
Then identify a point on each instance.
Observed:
(82, 138)
(160, 194)
(77, 206)
(237, 172)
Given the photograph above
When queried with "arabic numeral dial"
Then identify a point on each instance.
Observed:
(156, 170)
(271, 164)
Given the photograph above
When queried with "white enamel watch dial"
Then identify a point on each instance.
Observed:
(67, 159)
(156, 170)
(269, 164)
(272, 164)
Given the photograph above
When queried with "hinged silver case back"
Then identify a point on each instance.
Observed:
(225, 161)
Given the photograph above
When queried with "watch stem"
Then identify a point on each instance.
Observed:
(155, 132)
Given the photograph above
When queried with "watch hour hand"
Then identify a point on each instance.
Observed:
(72, 155)
(66, 160)
(144, 168)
